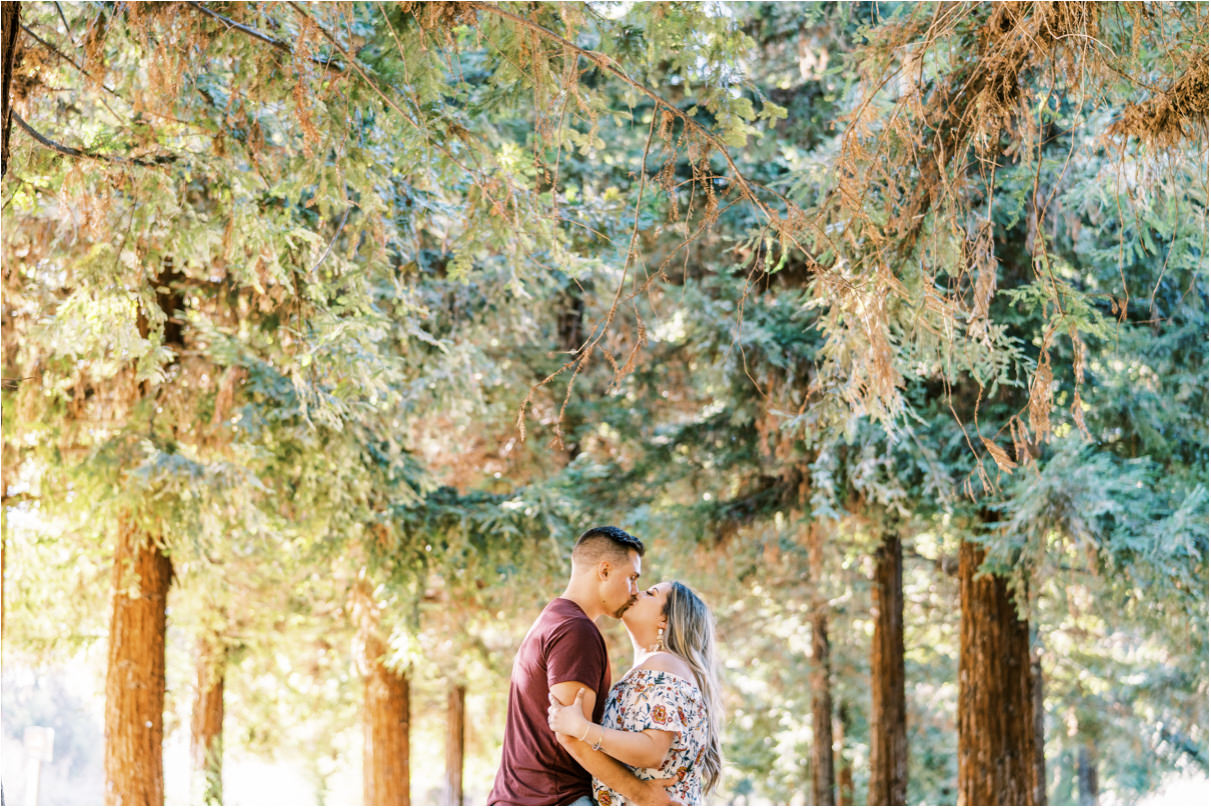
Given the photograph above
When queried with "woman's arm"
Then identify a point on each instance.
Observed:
(619, 777)
(643, 750)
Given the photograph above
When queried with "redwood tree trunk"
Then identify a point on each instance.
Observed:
(385, 714)
(206, 732)
(134, 680)
(455, 736)
(888, 712)
(11, 16)
(997, 754)
(823, 784)
(845, 766)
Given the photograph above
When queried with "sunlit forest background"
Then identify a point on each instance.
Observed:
(328, 327)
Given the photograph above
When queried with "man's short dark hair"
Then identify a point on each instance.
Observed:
(605, 543)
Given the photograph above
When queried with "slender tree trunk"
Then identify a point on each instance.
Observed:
(8, 468)
(571, 340)
(845, 767)
(1036, 694)
(385, 714)
(824, 791)
(206, 732)
(455, 737)
(997, 754)
(1086, 772)
(888, 711)
(134, 680)
(11, 25)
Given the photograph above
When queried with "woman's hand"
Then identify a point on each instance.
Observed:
(568, 719)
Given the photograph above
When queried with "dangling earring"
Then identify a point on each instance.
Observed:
(659, 646)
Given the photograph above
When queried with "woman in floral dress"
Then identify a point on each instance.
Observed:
(662, 718)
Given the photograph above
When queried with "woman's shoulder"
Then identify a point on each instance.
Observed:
(665, 662)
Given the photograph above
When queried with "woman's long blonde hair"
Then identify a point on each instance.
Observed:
(691, 636)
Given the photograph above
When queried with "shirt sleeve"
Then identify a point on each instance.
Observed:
(661, 705)
(576, 653)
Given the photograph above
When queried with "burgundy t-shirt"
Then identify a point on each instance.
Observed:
(563, 645)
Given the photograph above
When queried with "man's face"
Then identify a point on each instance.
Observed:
(620, 587)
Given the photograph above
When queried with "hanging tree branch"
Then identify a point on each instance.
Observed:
(59, 53)
(255, 34)
(747, 188)
(73, 152)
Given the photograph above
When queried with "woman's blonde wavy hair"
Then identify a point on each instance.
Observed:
(691, 635)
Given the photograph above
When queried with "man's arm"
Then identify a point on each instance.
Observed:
(566, 693)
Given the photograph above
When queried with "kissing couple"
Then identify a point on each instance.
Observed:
(652, 738)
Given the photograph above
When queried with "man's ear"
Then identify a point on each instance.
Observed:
(603, 570)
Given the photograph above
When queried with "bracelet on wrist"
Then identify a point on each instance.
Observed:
(585, 734)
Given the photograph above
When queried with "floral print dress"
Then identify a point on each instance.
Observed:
(647, 699)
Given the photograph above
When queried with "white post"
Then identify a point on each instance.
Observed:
(39, 749)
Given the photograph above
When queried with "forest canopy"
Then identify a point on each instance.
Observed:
(327, 328)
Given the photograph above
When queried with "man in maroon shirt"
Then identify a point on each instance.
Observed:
(562, 653)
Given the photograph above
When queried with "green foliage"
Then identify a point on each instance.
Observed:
(421, 292)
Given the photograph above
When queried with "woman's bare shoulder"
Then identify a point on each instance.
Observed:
(669, 663)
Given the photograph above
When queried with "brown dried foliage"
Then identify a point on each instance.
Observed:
(440, 16)
(1018, 36)
(1168, 118)
(909, 175)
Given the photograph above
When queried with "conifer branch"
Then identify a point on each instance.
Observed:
(417, 122)
(66, 27)
(610, 66)
(74, 152)
(340, 226)
(57, 52)
(255, 34)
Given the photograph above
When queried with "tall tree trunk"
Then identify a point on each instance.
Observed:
(1036, 694)
(8, 469)
(455, 737)
(571, 340)
(997, 755)
(385, 713)
(824, 790)
(206, 731)
(134, 680)
(10, 15)
(845, 766)
(888, 711)
(142, 574)
(1086, 772)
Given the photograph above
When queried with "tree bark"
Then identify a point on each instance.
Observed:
(455, 737)
(134, 680)
(10, 16)
(845, 766)
(824, 790)
(1036, 694)
(997, 754)
(385, 714)
(888, 713)
(206, 731)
